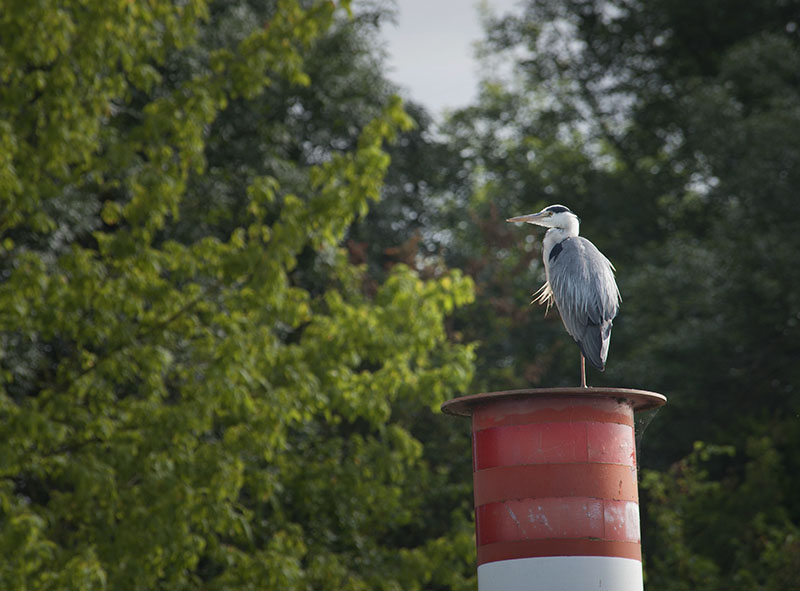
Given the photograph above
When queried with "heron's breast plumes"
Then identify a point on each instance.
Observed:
(544, 296)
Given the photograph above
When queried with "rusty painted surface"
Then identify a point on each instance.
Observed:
(518, 411)
(605, 481)
(558, 518)
(555, 472)
(550, 443)
(539, 548)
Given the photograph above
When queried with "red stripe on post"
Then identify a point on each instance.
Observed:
(530, 519)
(553, 547)
(607, 481)
(553, 443)
(611, 444)
(544, 443)
(568, 517)
(551, 410)
(621, 521)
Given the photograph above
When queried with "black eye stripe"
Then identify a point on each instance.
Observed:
(556, 209)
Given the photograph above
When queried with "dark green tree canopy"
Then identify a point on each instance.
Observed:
(672, 128)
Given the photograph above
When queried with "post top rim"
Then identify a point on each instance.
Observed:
(640, 399)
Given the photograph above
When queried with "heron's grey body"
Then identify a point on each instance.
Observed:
(580, 281)
(585, 293)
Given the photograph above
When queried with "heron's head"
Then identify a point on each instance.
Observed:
(552, 216)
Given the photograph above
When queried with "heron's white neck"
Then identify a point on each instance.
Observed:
(555, 235)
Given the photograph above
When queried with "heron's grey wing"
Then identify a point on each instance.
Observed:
(586, 295)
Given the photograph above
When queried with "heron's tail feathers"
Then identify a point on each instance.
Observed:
(594, 344)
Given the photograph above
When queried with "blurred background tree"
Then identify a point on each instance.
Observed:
(220, 352)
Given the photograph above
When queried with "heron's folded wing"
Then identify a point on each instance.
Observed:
(586, 295)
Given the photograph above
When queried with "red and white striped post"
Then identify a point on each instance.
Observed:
(556, 495)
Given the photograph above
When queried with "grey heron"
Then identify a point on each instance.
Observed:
(580, 280)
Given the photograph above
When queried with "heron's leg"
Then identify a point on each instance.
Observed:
(583, 371)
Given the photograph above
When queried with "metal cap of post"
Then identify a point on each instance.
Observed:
(556, 493)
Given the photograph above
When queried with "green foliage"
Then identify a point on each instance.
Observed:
(717, 528)
(196, 398)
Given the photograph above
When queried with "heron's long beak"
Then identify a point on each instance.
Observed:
(531, 218)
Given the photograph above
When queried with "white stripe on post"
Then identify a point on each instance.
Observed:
(561, 573)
